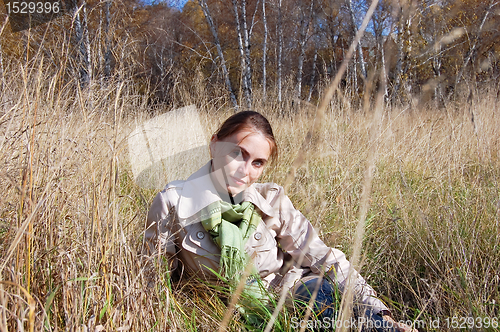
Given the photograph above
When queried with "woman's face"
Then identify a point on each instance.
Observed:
(238, 160)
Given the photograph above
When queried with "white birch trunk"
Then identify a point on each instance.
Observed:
(81, 34)
(2, 77)
(248, 66)
(313, 76)
(243, 46)
(404, 35)
(304, 27)
(225, 72)
(362, 65)
(86, 44)
(264, 51)
(107, 42)
(280, 49)
(379, 38)
(240, 46)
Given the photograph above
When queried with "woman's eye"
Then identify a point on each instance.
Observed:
(258, 163)
(235, 153)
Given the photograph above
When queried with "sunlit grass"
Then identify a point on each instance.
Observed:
(72, 218)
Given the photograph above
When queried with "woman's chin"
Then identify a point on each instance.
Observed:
(235, 190)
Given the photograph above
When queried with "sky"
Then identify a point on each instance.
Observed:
(173, 3)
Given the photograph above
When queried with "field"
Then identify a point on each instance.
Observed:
(72, 218)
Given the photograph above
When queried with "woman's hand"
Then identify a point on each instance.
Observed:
(399, 326)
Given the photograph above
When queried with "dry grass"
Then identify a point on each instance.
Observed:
(72, 218)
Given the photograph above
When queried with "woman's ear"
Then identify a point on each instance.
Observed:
(211, 145)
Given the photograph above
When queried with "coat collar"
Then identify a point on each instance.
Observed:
(198, 191)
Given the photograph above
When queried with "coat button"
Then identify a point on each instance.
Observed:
(200, 235)
(258, 236)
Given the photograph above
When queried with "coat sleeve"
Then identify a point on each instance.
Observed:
(297, 236)
(160, 233)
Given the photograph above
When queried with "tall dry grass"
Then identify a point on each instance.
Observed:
(72, 219)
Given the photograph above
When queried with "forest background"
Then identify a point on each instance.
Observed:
(72, 218)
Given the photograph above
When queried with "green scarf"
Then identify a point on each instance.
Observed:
(230, 230)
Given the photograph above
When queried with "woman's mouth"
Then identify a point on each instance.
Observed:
(238, 181)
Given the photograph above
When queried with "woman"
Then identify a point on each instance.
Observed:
(220, 216)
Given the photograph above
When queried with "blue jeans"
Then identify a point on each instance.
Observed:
(327, 304)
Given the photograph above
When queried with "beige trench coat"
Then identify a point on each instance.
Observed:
(174, 229)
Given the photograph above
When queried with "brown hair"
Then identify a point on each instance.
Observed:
(249, 120)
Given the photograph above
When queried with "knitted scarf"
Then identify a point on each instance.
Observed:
(230, 230)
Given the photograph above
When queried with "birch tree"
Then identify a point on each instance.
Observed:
(213, 30)
(352, 15)
(379, 20)
(313, 74)
(404, 48)
(247, 71)
(306, 15)
(244, 48)
(107, 41)
(264, 51)
(82, 42)
(471, 53)
(280, 49)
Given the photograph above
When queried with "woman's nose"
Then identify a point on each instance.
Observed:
(244, 167)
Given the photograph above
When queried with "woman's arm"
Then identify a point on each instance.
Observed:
(159, 235)
(297, 236)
